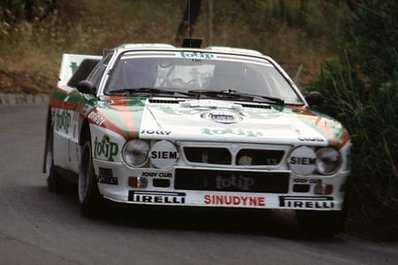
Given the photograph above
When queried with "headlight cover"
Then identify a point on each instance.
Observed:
(305, 160)
(328, 160)
(135, 153)
(302, 161)
(163, 154)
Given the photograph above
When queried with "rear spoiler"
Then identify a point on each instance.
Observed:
(69, 65)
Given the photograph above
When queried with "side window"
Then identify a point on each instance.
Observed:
(98, 72)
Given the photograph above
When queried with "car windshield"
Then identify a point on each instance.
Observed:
(200, 72)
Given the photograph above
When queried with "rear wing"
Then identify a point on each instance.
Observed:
(69, 65)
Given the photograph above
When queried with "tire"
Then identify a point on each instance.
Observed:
(320, 223)
(54, 180)
(90, 199)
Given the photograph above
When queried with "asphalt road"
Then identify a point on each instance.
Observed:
(39, 227)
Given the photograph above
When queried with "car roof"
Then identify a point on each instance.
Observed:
(168, 47)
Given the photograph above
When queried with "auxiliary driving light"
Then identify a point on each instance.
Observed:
(138, 182)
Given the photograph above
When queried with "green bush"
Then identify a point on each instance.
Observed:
(371, 116)
(361, 90)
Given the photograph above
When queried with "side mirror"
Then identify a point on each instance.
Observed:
(314, 98)
(86, 87)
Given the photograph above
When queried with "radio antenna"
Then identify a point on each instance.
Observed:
(189, 18)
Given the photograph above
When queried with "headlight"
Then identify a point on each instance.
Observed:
(135, 153)
(328, 160)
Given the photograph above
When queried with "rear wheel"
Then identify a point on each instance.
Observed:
(320, 223)
(54, 181)
(90, 199)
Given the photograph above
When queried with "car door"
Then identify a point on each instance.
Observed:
(64, 120)
(66, 104)
(78, 103)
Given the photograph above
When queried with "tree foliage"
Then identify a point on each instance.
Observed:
(16, 10)
(374, 37)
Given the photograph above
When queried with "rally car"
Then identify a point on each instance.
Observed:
(157, 125)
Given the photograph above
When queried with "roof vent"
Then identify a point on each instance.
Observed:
(191, 43)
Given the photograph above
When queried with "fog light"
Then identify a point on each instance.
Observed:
(328, 189)
(301, 188)
(320, 189)
(163, 183)
(138, 182)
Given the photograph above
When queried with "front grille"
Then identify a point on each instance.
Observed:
(223, 156)
(164, 101)
(256, 106)
(208, 155)
(231, 181)
(259, 157)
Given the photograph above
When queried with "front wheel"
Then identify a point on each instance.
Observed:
(90, 199)
(320, 223)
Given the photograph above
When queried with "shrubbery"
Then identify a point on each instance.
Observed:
(361, 90)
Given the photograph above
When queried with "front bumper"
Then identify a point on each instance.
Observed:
(225, 190)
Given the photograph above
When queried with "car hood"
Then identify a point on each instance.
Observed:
(221, 121)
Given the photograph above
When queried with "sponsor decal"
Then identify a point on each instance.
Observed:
(163, 154)
(105, 148)
(73, 67)
(240, 182)
(304, 180)
(197, 55)
(157, 197)
(105, 176)
(234, 200)
(86, 109)
(157, 174)
(155, 132)
(311, 139)
(95, 117)
(237, 132)
(63, 120)
(306, 202)
(302, 160)
(221, 116)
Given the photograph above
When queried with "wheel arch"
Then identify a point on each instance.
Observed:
(84, 132)
(46, 142)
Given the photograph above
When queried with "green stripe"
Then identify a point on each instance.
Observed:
(137, 106)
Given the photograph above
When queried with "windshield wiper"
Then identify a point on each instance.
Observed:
(148, 90)
(233, 94)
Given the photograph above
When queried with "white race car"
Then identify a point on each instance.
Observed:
(153, 124)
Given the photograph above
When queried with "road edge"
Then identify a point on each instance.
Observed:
(22, 99)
